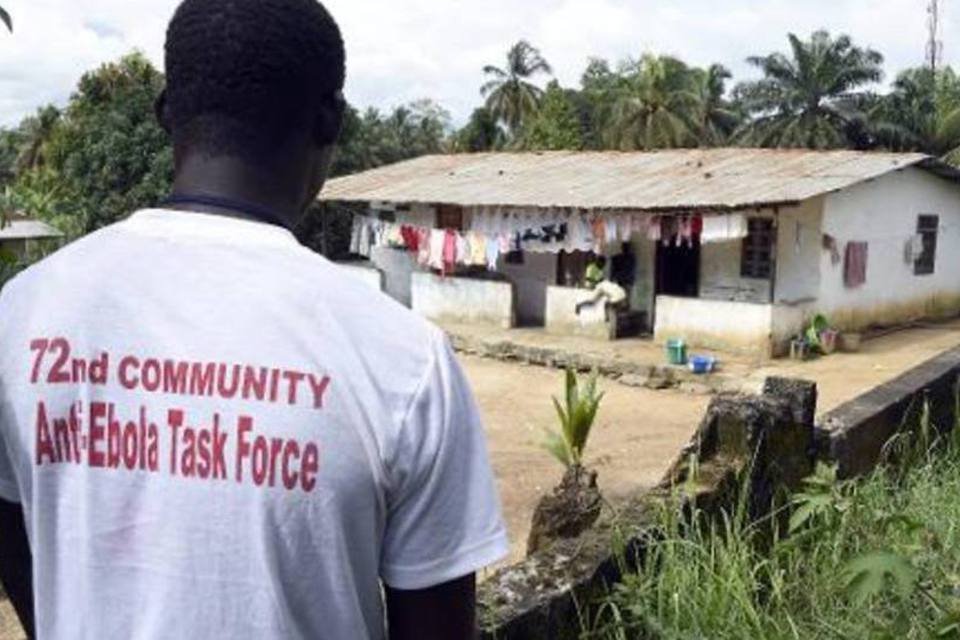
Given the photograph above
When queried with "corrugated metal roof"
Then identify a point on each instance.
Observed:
(728, 178)
(27, 229)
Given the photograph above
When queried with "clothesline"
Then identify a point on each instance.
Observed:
(491, 236)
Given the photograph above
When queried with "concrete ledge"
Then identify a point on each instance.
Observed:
(562, 316)
(854, 434)
(464, 300)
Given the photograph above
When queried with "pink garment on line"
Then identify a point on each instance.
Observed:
(449, 251)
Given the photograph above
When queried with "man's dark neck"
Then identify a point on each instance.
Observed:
(231, 181)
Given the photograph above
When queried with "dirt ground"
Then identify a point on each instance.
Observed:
(637, 435)
(9, 626)
(639, 431)
(844, 376)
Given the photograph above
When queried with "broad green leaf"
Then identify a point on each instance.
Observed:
(868, 576)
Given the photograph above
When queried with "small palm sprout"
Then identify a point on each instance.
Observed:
(576, 420)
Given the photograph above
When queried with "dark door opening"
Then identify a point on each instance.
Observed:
(678, 269)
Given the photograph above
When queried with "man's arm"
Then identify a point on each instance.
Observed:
(16, 566)
(444, 612)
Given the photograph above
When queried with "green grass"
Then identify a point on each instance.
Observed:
(878, 558)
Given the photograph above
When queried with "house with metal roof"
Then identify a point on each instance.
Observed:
(726, 248)
(21, 234)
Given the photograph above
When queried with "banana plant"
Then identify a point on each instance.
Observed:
(577, 415)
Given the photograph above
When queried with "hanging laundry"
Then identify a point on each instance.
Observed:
(462, 251)
(669, 230)
(830, 244)
(599, 228)
(366, 238)
(724, 228)
(504, 241)
(476, 249)
(492, 253)
(684, 231)
(696, 226)
(611, 231)
(437, 240)
(914, 249)
(855, 264)
(411, 239)
(394, 236)
(449, 251)
(654, 229)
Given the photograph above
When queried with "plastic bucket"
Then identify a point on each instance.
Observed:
(677, 352)
(702, 364)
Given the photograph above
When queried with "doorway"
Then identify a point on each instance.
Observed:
(678, 269)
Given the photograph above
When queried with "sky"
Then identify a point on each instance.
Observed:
(404, 50)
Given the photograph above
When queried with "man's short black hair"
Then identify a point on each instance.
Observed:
(245, 75)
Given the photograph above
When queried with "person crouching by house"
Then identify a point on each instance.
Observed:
(600, 289)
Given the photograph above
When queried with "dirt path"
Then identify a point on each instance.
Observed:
(843, 376)
(9, 625)
(637, 435)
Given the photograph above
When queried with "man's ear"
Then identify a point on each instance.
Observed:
(162, 113)
(329, 121)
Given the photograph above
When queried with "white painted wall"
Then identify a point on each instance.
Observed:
(739, 327)
(884, 213)
(562, 316)
(397, 265)
(799, 245)
(530, 280)
(463, 300)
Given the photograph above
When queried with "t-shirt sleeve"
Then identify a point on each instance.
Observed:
(443, 518)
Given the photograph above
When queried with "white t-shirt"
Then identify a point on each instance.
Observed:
(216, 433)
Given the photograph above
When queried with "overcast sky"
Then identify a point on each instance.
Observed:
(402, 50)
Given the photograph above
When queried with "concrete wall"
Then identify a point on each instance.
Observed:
(884, 213)
(562, 317)
(854, 434)
(799, 246)
(531, 280)
(397, 266)
(463, 300)
(738, 327)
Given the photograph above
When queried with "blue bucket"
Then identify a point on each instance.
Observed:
(702, 364)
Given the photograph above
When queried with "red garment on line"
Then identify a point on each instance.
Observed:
(411, 239)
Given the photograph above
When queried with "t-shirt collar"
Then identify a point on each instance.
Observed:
(169, 222)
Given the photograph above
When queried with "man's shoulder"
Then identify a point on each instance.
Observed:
(62, 261)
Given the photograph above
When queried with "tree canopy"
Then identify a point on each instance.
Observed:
(808, 98)
(102, 155)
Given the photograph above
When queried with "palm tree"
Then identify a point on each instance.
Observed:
(511, 97)
(921, 113)
(654, 106)
(36, 131)
(808, 99)
(717, 118)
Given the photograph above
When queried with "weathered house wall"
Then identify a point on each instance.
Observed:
(883, 212)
